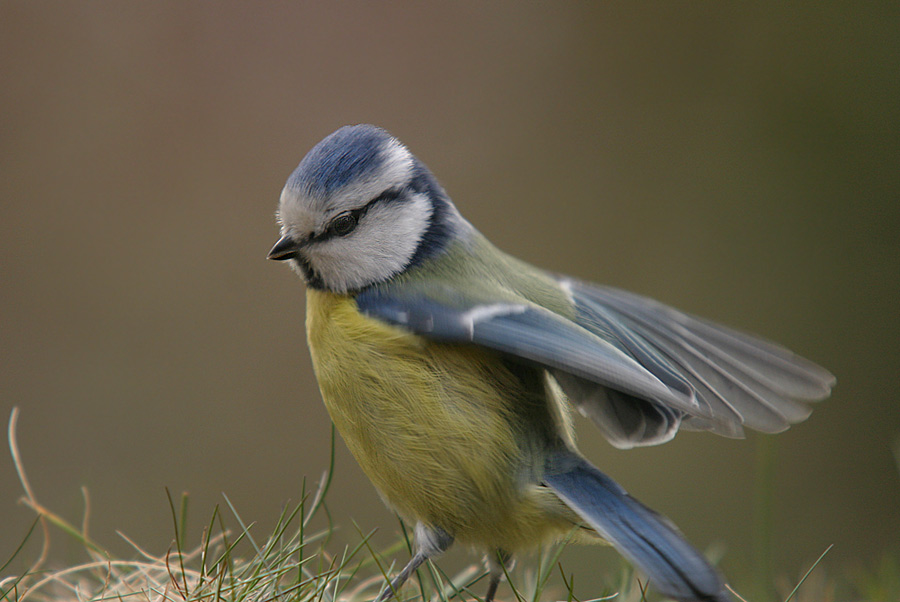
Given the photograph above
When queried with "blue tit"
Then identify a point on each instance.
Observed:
(450, 367)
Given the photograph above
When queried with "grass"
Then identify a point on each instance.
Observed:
(229, 564)
(293, 563)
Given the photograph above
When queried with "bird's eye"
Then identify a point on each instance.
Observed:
(344, 224)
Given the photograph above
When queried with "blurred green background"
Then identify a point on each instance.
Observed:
(741, 162)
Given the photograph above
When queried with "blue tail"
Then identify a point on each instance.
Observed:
(645, 538)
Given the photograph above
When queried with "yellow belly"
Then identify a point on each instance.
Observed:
(448, 434)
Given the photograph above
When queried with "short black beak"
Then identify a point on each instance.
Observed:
(286, 248)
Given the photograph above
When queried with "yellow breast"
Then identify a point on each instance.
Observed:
(449, 434)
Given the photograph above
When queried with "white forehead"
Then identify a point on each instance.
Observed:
(313, 193)
(394, 170)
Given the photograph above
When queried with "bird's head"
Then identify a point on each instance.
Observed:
(360, 209)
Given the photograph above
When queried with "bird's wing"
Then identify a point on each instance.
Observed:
(529, 332)
(740, 379)
(639, 369)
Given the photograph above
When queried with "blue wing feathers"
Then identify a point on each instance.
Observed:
(419, 314)
(638, 368)
(715, 388)
(528, 332)
(780, 369)
(741, 378)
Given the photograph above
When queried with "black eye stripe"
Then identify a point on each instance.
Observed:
(387, 196)
(340, 226)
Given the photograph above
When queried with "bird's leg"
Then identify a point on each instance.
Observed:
(397, 582)
(430, 543)
(498, 563)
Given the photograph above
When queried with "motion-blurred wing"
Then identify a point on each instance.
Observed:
(740, 380)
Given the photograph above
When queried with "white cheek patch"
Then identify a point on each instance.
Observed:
(382, 245)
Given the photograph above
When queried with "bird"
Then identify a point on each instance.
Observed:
(452, 371)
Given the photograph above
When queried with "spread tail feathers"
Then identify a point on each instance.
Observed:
(647, 539)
